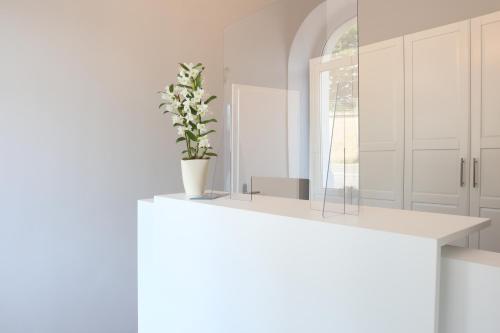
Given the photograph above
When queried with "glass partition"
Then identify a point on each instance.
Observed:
(291, 95)
(334, 131)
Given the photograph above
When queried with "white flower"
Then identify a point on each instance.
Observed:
(198, 95)
(187, 106)
(194, 104)
(202, 128)
(169, 107)
(193, 73)
(202, 109)
(189, 117)
(167, 96)
(176, 119)
(176, 104)
(189, 71)
(204, 143)
(183, 92)
(181, 131)
(184, 80)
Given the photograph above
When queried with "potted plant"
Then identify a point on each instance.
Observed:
(187, 103)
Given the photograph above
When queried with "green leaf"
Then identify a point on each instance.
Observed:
(184, 86)
(177, 125)
(205, 134)
(208, 121)
(162, 105)
(191, 136)
(211, 98)
(191, 149)
(198, 65)
(184, 67)
(180, 139)
(211, 154)
(171, 88)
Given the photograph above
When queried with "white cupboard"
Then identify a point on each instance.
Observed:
(485, 126)
(437, 108)
(382, 124)
(440, 94)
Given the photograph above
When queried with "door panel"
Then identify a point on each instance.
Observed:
(435, 102)
(437, 95)
(379, 170)
(485, 126)
(490, 38)
(490, 173)
(436, 172)
(381, 67)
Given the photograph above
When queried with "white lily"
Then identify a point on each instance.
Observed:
(202, 109)
(204, 143)
(169, 107)
(167, 96)
(176, 119)
(181, 131)
(194, 73)
(184, 80)
(176, 104)
(202, 128)
(187, 105)
(186, 102)
(189, 117)
(183, 92)
(198, 95)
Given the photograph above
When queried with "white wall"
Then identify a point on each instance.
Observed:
(257, 47)
(81, 139)
(257, 51)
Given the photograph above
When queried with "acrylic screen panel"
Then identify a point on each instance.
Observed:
(267, 86)
(334, 133)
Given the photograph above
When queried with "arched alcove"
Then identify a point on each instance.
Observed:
(343, 39)
(309, 42)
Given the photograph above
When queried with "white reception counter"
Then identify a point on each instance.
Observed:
(275, 266)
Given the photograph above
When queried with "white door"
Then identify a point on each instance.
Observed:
(437, 109)
(485, 126)
(381, 93)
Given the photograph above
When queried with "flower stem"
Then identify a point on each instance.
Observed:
(188, 144)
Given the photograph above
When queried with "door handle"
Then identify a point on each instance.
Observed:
(474, 173)
(462, 168)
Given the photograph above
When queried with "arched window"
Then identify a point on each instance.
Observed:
(344, 40)
(337, 108)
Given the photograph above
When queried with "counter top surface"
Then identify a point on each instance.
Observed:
(474, 256)
(440, 227)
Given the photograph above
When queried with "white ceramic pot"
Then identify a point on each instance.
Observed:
(194, 177)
